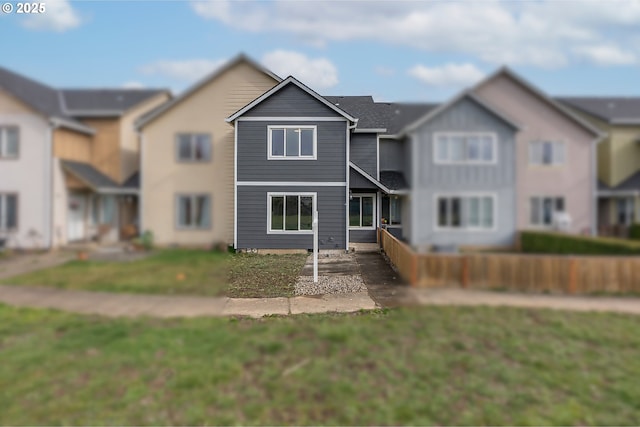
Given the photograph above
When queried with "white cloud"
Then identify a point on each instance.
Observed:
(58, 16)
(186, 70)
(543, 33)
(384, 71)
(447, 75)
(133, 85)
(318, 73)
(607, 55)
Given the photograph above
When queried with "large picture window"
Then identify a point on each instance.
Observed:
(8, 212)
(290, 212)
(391, 210)
(193, 211)
(292, 142)
(361, 211)
(466, 212)
(542, 210)
(9, 142)
(546, 153)
(193, 147)
(463, 148)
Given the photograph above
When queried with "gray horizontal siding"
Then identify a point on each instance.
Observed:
(362, 236)
(433, 179)
(364, 152)
(392, 155)
(252, 219)
(330, 165)
(291, 101)
(356, 180)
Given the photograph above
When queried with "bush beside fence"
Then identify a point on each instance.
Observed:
(559, 243)
(518, 272)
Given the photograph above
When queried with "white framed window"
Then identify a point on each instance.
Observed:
(193, 147)
(626, 211)
(547, 153)
(465, 148)
(543, 209)
(361, 211)
(8, 211)
(392, 210)
(9, 142)
(466, 212)
(193, 211)
(292, 142)
(290, 213)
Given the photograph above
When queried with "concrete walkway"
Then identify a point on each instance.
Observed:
(385, 286)
(131, 305)
(462, 297)
(15, 265)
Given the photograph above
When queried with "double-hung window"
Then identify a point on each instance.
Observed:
(8, 212)
(9, 142)
(361, 209)
(290, 212)
(193, 211)
(542, 210)
(546, 153)
(468, 212)
(193, 147)
(292, 142)
(465, 148)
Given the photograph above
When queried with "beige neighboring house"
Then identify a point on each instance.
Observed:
(187, 162)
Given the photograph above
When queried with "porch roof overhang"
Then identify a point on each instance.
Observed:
(377, 183)
(95, 180)
(628, 187)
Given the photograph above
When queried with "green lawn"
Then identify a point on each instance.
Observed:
(177, 271)
(424, 366)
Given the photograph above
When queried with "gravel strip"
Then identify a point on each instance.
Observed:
(329, 285)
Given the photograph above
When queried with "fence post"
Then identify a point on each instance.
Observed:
(464, 270)
(414, 270)
(573, 276)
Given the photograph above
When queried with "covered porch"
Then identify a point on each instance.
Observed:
(97, 208)
(618, 207)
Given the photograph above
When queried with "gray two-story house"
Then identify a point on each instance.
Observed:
(291, 158)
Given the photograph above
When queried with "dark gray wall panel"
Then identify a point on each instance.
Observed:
(252, 219)
(330, 165)
(392, 155)
(362, 236)
(363, 152)
(291, 101)
(356, 180)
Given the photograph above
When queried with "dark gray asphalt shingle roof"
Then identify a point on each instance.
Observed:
(42, 98)
(393, 180)
(393, 116)
(133, 181)
(89, 174)
(98, 100)
(606, 108)
(630, 184)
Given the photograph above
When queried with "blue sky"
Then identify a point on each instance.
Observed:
(395, 51)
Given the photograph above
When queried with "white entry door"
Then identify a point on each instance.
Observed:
(76, 217)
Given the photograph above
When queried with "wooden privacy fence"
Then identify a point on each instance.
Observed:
(521, 272)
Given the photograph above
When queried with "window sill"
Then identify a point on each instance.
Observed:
(300, 232)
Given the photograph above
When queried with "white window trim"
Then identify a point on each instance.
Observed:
(494, 145)
(389, 223)
(192, 141)
(192, 196)
(543, 226)
(554, 162)
(372, 227)
(4, 216)
(298, 157)
(271, 194)
(462, 195)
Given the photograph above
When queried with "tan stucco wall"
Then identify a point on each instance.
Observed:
(624, 151)
(539, 120)
(129, 143)
(71, 145)
(163, 178)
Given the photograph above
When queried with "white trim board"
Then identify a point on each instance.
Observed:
(314, 207)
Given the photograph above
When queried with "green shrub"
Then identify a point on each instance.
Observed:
(634, 231)
(147, 240)
(559, 243)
